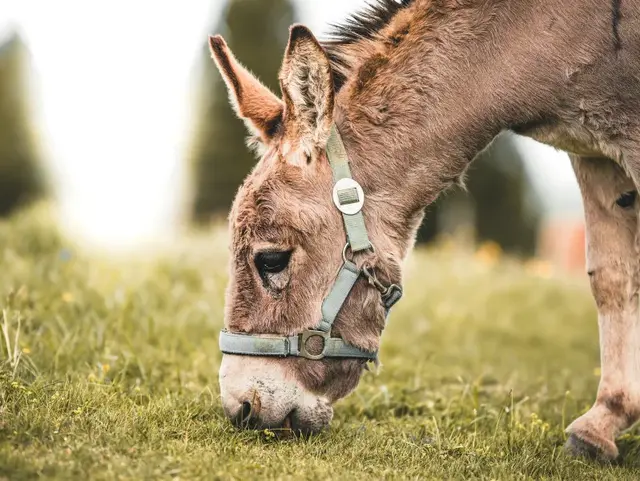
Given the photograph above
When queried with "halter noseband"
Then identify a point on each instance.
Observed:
(349, 199)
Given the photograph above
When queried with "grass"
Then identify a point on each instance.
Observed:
(108, 370)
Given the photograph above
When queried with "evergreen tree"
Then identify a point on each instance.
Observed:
(497, 187)
(20, 181)
(257, 31)
(504, 210)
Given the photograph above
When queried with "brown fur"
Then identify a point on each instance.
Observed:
(253, 101)
(417, 89)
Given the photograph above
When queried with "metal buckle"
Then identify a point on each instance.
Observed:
(305, 336)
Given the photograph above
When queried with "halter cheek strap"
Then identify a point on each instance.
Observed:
(348, 197)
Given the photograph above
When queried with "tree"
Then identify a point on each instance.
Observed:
(497, 191)
(20, 179)
(257, 31)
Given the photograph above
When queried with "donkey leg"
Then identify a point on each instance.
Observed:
(612, 265)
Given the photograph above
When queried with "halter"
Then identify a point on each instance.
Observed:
(348, 197)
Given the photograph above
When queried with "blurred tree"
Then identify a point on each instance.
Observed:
(20, 180)
(257, 32)
(498, 191)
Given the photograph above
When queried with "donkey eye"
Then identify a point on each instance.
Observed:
(272, 262)
(627, 199)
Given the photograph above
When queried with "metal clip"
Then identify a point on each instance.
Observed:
(390, 294)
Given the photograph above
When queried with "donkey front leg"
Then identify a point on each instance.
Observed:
(612, 263)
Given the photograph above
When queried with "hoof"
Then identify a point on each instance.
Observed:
(580, 447)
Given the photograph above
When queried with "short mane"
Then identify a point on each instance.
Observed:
(363, 25)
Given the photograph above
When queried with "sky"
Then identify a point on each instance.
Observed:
(114, 89)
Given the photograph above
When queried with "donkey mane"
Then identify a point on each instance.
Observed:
(363, 25)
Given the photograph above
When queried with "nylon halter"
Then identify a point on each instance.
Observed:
(348, 197)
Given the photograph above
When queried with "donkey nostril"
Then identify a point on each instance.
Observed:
(246, 412)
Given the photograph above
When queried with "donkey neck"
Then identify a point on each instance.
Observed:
(436, 84)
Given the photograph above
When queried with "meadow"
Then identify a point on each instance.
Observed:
(108, 370)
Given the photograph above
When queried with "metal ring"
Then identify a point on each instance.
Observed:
(344, 252)
(347, 246)
(308, 334)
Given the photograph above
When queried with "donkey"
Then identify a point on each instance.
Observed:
(414, 90)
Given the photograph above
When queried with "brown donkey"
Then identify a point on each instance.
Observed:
(416, 89)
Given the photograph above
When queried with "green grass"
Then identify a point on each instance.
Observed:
(114, 372)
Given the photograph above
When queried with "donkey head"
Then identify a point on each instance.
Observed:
(287, 244)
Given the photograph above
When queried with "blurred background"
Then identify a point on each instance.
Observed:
(114, 113)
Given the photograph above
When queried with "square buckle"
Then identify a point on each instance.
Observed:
(305, 336)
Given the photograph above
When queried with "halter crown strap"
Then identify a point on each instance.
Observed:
(348, 197)
(347, 193)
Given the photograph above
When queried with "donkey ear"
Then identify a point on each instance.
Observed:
(261, 110)
(306, 80)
